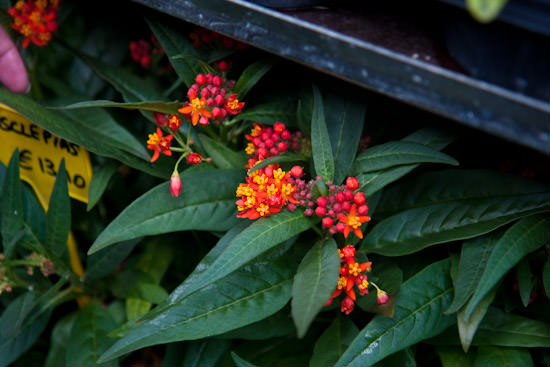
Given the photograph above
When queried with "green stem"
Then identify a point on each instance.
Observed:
(318, 231)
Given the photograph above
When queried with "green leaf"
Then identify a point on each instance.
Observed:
(239, 362)
(525, 281)
(151, 292)
(323, 159)
(333, 342)
(151, 106)
(502, 357)
(546, 277)
(404, 358)
(304, 111)
(250, 77)
(222, 156)
(89, 337)
(207, 202)
(136, 307)
(248, 295)
(82, 132)
(314, 283)
(467, 326)
(473, 260)
(175, 43)
(389, 277)
(485, 11)
(61, 334)
(280, 109)
(256, 239)
(105, 261)
(281, 158)
(11, 212)
(59, 216)
(203, 353)
(418, 316)
(280, 324)
(522, 238)
(448, 212)
(21, 324)
(398, 153)
(345, 117)
(455, 357)
(100, 179)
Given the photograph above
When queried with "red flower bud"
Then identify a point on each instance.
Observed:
(327, 222)
(359, 198)
(297, 171)
(223, 66)
(175, 184)
(194, 158)
(320, 211)
(363, 210)
(347, 305)
(381, 297)
(352, 183)
(322, 201)
(340, 197)
(200, 79)
(279, 127)
(160, 119)
(282, 146)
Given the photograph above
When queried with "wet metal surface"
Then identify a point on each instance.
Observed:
(399, 55)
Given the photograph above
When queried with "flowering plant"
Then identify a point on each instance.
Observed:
(247, 211)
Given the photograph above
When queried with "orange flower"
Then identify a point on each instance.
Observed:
(233, 106)
(36, 20)
(158, 143)
(352, 221)
(196, 110)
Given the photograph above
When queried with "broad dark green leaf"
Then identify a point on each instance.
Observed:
(176, 43)
(100, 179)
(467, 326)
(239, 362)
(473, 260)
(304, 111)
(82, 132)
(525, 281)
(282, 158)
(11, 213)
(522, 238)
(281, 109)
(207, 202)
(59, 216)
(250, 77)
(21, 324)
(398, 153)
(256, 239)
(447, 212)
(222, 156)
(388, 277)
(333, 342)
(374, 181)
(418, 316)
(151, 106)
(89, 337)
(314, 283)
(248, 295)
(204, 353)
(455, 357)
(345, 117)
(278, 325)
(323, 158)
(546, 277)
(403, 358)
(502, 357)
(61, 334)
(485, 11)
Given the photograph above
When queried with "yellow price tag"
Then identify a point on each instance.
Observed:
(40, 154)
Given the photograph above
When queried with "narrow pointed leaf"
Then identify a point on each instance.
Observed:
(222, 156)
(281, 109)
(281, 158)
(239, 362)
(397, 153)
(248, 295)
(59, 216)
(105, 261)
(455, 357)
(89, 337)
(473, 260)
(11, 211)
(100, 179)
(418, 316)
(333, 342)
(467, 326)
(256, 239)
(250, 77)
(274, 326)
(522, 238)
(525, 281)
(20, 326)
(60, 336)
(314, 283)
(176, 43)
(323, 158)
(202, 353)
(207, 202)
(502, 357)
(151, 106)
(345, 118)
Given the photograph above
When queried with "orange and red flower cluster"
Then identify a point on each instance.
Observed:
(266, 191)
(210, 100)
(36, 20)
(160, 144)
(265, 142)
(351, 273)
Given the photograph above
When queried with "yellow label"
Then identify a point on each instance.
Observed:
(40, 154)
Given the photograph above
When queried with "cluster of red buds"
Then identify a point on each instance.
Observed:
(35, 20)
(210, 99)
(342, 210)
(202, 36)
(265, 142)
(353, 274)
(143, 52)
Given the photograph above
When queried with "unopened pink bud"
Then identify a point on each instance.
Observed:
(175, 184)
(382, 297)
